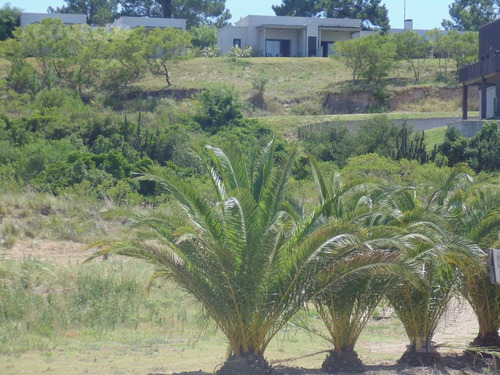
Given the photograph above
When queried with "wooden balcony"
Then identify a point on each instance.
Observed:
(476, 71)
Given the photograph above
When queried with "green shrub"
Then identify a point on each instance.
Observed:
(220, 106)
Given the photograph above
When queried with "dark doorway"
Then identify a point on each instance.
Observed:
(327, 48)
(311, 46)
(278, 48)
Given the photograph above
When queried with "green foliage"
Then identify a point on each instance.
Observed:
(371, 12)
(83, 58)
(246, 254)
(238, 52)
(470, 15)
(9, 20)
(412, 48)
(122, 63)
(337, 146)
(463, 48)
(203, 36)
(220, 106)
(47, 42)
(409, 149)
(23, 78)
(197, 12)
(161, 47)
(377, 135)
(98, 12)
(480, 152)
(44, 300)
(371, 57)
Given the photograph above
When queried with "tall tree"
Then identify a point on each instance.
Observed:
(412, 48)
(99, 12)
(197, 12)
(161, 47)
(371, 12)
(469, 15)
(9, 20)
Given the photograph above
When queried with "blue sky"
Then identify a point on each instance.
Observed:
(426, 14)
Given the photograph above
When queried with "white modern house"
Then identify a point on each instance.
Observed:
(125, 23)
(279, 36)
(67, 19)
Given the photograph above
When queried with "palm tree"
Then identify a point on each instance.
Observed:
(242, 256)
(441, 257)
(346, 308)
(480, 223)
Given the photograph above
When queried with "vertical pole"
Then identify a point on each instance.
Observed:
(305, 42)
(497, 91)
(464, 102)
(483, 98)
(265, 44)
(318, 47)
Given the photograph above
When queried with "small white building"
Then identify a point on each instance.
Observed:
(67, 19)
(125, 23)
(279, 36)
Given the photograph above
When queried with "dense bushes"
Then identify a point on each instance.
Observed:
(378, 135)
(481, 152)
(58, 141)
(373, 57)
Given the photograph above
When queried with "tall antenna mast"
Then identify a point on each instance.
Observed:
(404, 11)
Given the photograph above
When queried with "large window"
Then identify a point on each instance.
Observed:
(278, 48)
(237, 42)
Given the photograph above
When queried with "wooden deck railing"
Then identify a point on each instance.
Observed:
(480, 69)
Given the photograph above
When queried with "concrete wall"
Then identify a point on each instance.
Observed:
(67, 19)
(417, 125)
(125, 23)
(469, 128)
(226, 35)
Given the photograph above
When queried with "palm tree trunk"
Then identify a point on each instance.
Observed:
(342, 360)
(421, 345)
(487, 338)
(246, 363)
(420, 352)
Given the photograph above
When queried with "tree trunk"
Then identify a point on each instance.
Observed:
(166, 8)
(487, 339)
(422, 345)
(420, 352)
(345, 360)
(246, 364)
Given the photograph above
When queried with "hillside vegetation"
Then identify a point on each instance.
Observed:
(208, 181)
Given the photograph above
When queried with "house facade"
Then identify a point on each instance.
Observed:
(485, 74)
(279, 36)
(125, 23)
(67, 19)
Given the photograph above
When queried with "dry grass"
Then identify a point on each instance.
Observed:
(289, 79)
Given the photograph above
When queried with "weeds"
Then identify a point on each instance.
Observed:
(8, 235)
(41, 302)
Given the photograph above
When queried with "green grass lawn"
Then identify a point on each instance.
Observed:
(434, 136)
